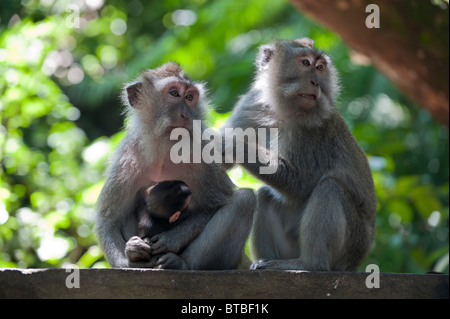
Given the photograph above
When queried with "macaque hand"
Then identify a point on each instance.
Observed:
(164, 243)
(137, 250)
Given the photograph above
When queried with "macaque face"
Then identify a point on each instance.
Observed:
(166, 98)
(302, 75)
(310, 67)
(299, 80)
(178, 92)
(181, 99)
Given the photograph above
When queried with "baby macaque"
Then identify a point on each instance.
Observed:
(160, 206)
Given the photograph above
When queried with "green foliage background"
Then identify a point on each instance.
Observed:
(61, 118)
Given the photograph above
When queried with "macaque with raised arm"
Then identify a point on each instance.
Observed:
(318, 211)
(218, 217)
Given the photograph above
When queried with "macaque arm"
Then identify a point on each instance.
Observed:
(112, 242)
(271, 168)
(175, 239)
(284, 178)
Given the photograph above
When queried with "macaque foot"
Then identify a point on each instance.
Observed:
(163, 243)
(260, 264)
(171, 261)
(292, 264)
(142, 264)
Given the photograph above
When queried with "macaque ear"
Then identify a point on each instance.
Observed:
(133, 91)
(149, 190)
(306, 42)
(265, 54)
(174, 217)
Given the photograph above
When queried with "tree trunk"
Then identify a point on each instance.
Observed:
(411, 47)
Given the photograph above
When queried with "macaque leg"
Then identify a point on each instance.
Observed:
(322, 236)
(112, 241)
(219, 246)
(269, 238)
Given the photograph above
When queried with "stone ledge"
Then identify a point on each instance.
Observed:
(236, 284)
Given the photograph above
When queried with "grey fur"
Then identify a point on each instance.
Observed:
(318, 210)
(219, 218)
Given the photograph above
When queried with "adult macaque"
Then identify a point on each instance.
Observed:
(218, 216)
(318, 210)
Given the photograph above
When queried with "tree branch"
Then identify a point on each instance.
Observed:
(411, 47)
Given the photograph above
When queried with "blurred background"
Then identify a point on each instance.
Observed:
(63, 64)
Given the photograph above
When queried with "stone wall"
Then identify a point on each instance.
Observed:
(238, 284)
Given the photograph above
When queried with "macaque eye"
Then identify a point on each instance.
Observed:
(320, 67)
(174, 93)
(189, 97)
(306, 62)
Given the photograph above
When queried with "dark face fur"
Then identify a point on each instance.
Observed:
(167, 198)
(300, 80)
